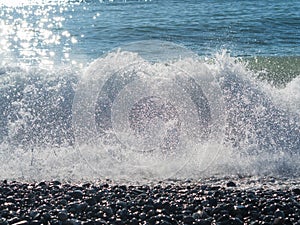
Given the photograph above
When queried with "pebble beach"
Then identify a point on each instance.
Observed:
(247, 200)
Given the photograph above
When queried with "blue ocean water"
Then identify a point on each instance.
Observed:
(249, 59)
(64, 30)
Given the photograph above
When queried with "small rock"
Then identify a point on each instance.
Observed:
(278, 221)
(203, 215)
(148, 207)
(123, 214)
(62, 215)
(42, 184)
(55, 222)
(91, 201)
(47, 216)
(223, 218)
(63, 201)
(279, 214)
(231, 184)
(150, 213)
(142, 216)
(35, 222)
(236, 221)
(56, 182)
(188, 219)
(74, 222)
(134, 221)
(296, 191)
(82, 207)
(204, 222)
(109, 212)
(100, 221)
(77, 194)
(121, 204)
(196, 215)
(165, 223)
(3, 221)
(34, 214)
(22, 222)
(13, 220)
(88, 222)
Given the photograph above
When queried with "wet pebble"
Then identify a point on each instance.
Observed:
(62, 215)
(22, 222)
(296, 191)
(77, 194)
(178, 202)
(231, 184)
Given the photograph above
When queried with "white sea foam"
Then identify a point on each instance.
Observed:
(254, 128)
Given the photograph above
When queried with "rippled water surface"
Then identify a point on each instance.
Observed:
(43, 31)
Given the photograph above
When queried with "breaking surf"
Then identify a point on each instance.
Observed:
(155, 114)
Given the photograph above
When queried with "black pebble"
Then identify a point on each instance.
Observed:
(62, 215)
(77, 194)
(231, 184)
(176, 202)
(296, 191)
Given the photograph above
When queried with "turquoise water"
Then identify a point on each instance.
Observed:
(232, 65)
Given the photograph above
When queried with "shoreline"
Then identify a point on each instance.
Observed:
(228, 200)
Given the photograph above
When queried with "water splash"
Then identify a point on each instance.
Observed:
(134, 117)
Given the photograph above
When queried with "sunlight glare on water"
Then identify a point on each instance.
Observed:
(36, 34)
(32, 2)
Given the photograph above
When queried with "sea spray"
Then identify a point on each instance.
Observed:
(253, 131)
(263, 133)
(36, 106)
